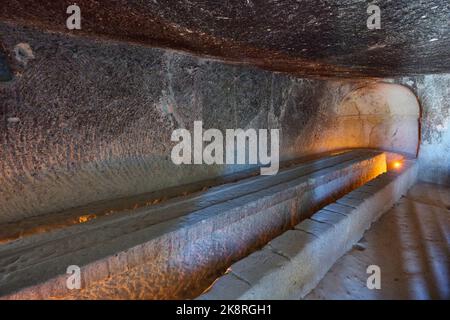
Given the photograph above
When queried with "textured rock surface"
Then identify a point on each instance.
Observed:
(433, 92)
(84, 121)
(310, 37)
(383, 116)
(5, 71)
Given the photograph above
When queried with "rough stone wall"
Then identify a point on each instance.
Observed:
(307, 37)
(433, 92)
(380, 116)
(85, 120)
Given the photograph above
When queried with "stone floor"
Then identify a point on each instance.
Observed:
(410, 244)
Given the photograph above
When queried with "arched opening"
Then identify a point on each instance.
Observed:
(382, 116)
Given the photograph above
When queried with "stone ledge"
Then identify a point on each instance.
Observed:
(315, 244)
(314, 227)
(176, 249)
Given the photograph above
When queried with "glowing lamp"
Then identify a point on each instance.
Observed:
(397, 165)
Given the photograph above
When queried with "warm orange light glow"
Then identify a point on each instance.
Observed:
(86, 218)
(397, 165)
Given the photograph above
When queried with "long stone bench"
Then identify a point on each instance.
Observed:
(291, 265)
(177, 248)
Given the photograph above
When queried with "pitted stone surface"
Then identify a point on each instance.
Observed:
(310, 37)
(5, 70)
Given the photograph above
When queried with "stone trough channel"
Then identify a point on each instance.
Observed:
(177, 248)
